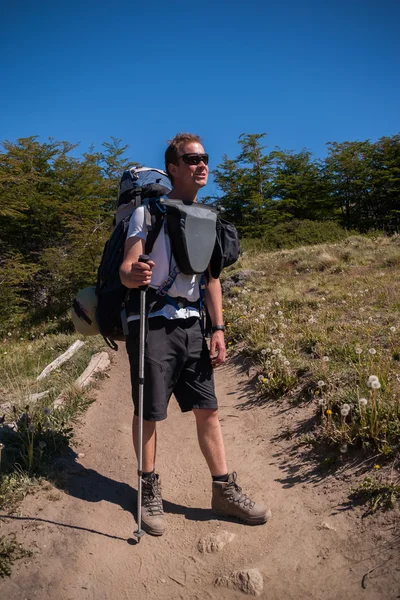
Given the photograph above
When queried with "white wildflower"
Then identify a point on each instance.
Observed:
(344, 412)
(262, 316)
(321, 383)
(325, 358)
(372, 351)
(281, 335)
(268, 350)
(363, 401)
(393, 329)
(343, 448)
(263, 352)
(260, 377)
(286, 363)
(375, 385)
(358, 350)
(370, 379)
(277, 304)
(321, 402)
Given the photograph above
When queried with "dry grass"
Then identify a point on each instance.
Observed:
(319, 322)
(31, 432)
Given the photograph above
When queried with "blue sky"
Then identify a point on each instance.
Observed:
(305, 72)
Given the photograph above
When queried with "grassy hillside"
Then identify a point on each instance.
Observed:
(322, 326)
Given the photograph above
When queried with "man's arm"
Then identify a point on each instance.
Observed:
(213, 298)
(134, 274)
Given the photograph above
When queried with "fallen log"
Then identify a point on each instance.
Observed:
(61, 359)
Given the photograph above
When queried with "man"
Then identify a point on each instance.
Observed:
(177, 359)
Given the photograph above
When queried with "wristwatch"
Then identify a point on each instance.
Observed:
(218, 328)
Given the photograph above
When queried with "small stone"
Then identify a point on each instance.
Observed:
(248, 581)
(214, 542)
(327, 526)
(81, 455)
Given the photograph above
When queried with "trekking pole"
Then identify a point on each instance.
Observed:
(142, 340)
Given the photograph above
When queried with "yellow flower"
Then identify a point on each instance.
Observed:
(229, 343)
(243, 317)
(377, 467)
(329, 412)
(265, 379)
(223, 310)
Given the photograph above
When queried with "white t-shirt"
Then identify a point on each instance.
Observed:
(185, 286)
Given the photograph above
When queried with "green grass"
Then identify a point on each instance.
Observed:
(378, 493)
(10, 551)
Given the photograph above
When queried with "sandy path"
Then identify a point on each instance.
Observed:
(84, 538)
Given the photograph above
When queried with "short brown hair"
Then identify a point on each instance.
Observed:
(172, 152)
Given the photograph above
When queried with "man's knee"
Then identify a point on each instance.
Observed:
(148, 425)
(204, 415)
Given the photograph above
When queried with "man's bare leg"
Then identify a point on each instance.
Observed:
(228, 499)
(149, 443)
(210, 440)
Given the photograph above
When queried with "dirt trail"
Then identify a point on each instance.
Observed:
(85, 549)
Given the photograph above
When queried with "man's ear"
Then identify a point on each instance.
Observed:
(171, 169)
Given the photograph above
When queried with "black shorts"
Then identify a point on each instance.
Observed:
(177, 361)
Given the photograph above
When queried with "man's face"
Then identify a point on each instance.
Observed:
(190, 177)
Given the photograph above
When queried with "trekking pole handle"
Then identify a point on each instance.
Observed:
(143, 258)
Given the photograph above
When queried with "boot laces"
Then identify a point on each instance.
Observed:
(235, 492)
(151, 496)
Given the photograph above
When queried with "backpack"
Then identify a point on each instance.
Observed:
(137, 186)
(227, 247)
(188, 225)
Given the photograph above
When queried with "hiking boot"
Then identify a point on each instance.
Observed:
(228, 500)
(153, 521)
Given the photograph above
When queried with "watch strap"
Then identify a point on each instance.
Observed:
(217, 328)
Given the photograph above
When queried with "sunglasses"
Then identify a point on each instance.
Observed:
(193, 158)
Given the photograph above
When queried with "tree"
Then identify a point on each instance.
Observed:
(299, 186)
(55, 216)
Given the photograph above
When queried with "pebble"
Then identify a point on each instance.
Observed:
(248, 581)
(214, 542)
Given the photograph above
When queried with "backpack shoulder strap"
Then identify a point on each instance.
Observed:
(157, 213)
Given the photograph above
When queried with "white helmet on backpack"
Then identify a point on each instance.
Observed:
(83, 312)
